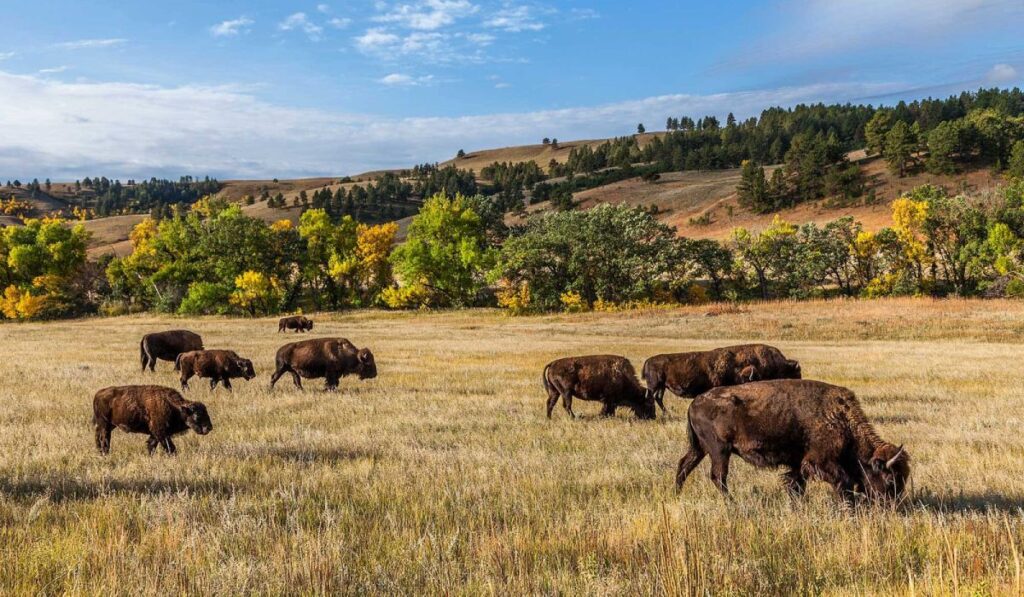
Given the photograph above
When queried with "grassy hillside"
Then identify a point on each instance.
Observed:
(442, 475)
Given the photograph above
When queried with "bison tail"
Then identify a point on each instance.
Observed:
(143, 353)
(544, 378)
(692, 435)
(177, 362)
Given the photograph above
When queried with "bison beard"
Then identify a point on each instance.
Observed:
(813, 429)
(608, 379)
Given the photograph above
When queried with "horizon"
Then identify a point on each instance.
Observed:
(267, 89)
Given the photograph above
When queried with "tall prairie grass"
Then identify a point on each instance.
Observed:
(443, 475)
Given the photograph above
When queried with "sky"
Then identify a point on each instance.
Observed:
(273, 88)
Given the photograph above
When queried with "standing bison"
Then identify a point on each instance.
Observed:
(329, 358)
(813, 429)
(217, 365)
(608, 379)
(693, 373)
(298, 323)
(166, 346)
(156, 411)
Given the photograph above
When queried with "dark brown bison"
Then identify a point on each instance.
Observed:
(166, 346)
(608, 379)
(217, 365)
(813, 429)
(298, 323)
(691, 373)
(156, 411)
(329, 358)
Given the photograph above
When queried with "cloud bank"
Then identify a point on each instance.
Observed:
(67, 130)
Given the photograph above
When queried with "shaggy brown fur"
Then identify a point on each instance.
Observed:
(691, 373)
(608, 379)
(814, 429)
(329, 358)
(166, 346)
(156, 411)
(298, 323)
(217, 365)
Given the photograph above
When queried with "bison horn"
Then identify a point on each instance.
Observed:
(893, 460)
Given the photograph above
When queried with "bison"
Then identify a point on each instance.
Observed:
(692, 373)
(298, 323)
(608, 379)
(166, 346)
(218, 365)
(330, 358)
(813, 429)
(156, 411)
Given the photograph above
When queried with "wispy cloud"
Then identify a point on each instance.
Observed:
(300, 22)
(404, 80)
(323, 8)
(339, 22)
(68, 130)
(428, 15)
(231, 27)
(515, 19)
(7, 55)
(584, 14)
(91, 43)
(1003, 73)
(53, 70)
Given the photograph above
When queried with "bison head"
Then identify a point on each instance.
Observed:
(197, 418)
(367, 366)
(306, 324)
(791, 370)
(245, 365)
(887, 472)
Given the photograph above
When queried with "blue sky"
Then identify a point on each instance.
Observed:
(262, 88)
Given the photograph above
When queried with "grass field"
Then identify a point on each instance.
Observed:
(443, 476)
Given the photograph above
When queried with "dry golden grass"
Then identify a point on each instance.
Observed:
(442, 475)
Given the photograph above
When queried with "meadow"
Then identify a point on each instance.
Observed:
(442, 475)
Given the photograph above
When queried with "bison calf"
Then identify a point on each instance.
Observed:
(298, 323)
(692, 373)
(166, 346)
(329, 358)
(217, 365)
(608, 379)
(156, 411)
(812, 429)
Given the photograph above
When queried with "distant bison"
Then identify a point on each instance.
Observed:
(692, 373)
(217, 365)
(329, 358)
(814, 429)
(608, 379)
(156, 411)
(298, 323)
(166, 346)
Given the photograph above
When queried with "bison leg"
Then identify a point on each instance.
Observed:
(830, 472)
(795, 483)
(552, 398)
(720, 470)
(226, 383)
(151, 444)
(103, 430)
(168, 445)
(276, 376)
(184, 380)
(687, 463)
(608, 410)
(567, 403)
(659, 397)
(331, 385)
(213, 383)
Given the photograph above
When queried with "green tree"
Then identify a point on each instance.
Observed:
(900, 144)
(1016, 164)
(943, 147)
(445, 253)
(876, 130)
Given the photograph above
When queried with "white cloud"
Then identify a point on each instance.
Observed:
(7, 55)
(1003, 73)
(515, 19)
(502, 85)
(583, 14)
(231, 28)
(339, 22)
(428, 15)
(300, 22)
(324, 8)
(69, 130)
(375, 40)
(403, 80)
(91, 43)
(52, 70)
(480, 39)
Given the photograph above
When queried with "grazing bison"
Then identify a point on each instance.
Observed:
(166, 346)
(218, 365)
(693, 373)
(608, 379)
(156, 411)
(813, 429)
(298, 323)
(330, 358)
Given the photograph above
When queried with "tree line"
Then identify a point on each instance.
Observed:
(214, 259)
